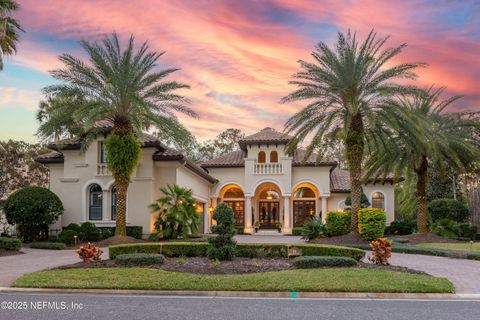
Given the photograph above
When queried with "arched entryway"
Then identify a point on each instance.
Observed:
(304, 203)
(269, 209)
(233, 196)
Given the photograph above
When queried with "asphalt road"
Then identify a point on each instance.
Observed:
(85, 306)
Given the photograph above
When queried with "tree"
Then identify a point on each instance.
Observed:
(419, 135)
(179, 138)
(33, 209)
(176, 212)
(123, 86)
(222, 247)
(364, 203)
(9, 29)
(346, 87)
(225, 142)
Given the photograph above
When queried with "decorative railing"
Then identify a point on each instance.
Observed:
(268, 168)
(102, 169)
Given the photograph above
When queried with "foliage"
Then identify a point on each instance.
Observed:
(176, 213)
(67, 236)
(12, 244)
(18, 167)
(89, 252)
(297, 231)
(261, 250)
(329, 250)
(48, 245)
(139, 259)
(466, 230)
(89, 232)
(381, 251)
(225, 142)
(443, 183)
(401, 227)
(371, 223)
(451, 229)
(52, 238)
(10, 29)
(312, 229)
(364, 203)
(132, 231)
(73, 226)
(323, 261)
(448, 209)
(33, 209)
(222, 247)
(337, 223)
(124, 152)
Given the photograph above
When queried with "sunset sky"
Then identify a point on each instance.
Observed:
(237, 55)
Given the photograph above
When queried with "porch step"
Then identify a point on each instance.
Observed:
(267, 233)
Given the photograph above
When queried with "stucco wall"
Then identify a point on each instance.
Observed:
(318, 176)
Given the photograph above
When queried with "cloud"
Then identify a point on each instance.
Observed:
(11, 97)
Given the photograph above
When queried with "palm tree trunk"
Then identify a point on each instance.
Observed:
(122, 186)
(354, 147)
(422, 220)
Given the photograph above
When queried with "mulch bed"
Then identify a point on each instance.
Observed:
(6, 253)
(350, 238)
(425, 237)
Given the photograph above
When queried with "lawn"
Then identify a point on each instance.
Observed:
(326, 280)
(466, 246)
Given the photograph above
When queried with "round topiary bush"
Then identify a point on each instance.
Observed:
(67, 236)
(337, 223)
(32, 210)
(222, 247)
(89, 232)
(371, 223)
(323, 261)
(448, 209)
(73, 226)
(139, 259)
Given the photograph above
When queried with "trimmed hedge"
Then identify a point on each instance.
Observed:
(371, 223)
(48, 245)
(337, 223)
(323, 261)
(139, 259)
(250, 250)
(11, 244)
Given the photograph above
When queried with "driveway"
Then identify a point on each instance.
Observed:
(464, 274)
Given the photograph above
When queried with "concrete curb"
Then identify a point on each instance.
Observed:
(249, 294)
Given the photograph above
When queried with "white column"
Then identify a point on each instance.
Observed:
(324, 209)
(206, 218)
(210, 214)
(248, 216)
(287, 222)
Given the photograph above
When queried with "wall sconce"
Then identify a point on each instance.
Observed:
(210, 209)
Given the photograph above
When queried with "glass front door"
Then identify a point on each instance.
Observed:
(269, 214)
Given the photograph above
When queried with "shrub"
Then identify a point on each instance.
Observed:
(89, 232)
(153, 237)
(67, 236)
(297, 231)
(132, 231)
(52, 238)
(371, 223)
(401, 227)
(323, 261)
(448, 209)
(239, 229)
(466, 230)
(32, 209)
(337, 223)
(445, 228)
(48, 245)
(189, 249)
(364, 203)
(327, 250)
(139, 259)
(89, 252)
(73, 226)
(312, 229)
(261, 250)
(381, 251)
(10, 244)
(222, 247)
(116, 250)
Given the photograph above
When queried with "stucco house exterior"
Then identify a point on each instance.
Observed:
(263, 185)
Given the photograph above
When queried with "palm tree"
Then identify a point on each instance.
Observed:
(176, 212)
(121, 86)
(346, 87)
(9, 29)
(419, 135)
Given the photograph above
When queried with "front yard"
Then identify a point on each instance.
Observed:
(465, 246)
(325, 279)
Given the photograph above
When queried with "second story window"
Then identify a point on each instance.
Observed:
(102, 152)
(274, 156)
(261, 157)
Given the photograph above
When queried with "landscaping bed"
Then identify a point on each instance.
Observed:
(416, 238)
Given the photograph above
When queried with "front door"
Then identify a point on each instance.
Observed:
(269, 214)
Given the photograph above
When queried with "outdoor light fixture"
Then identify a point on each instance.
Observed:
(269, 197)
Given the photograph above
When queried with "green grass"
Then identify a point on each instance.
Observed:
(327, 280)
(452, 246)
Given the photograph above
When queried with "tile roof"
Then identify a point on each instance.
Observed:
(50, 157)
(340, 180)
(266, 135)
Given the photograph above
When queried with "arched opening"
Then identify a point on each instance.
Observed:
(378, 200)
(274, 156)
(268, 196)
(261, 157)
(304, 204)
(95, 202)
(113, 204)
(233, 196)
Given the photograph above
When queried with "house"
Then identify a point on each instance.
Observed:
(259, 181)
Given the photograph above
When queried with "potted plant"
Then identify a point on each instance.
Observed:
(279, 227)
(256, 226)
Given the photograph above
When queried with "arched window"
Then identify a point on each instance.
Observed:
(233, 192)
(261, 157)
(378, 200)
(341, 206)
(274, 156)
(233, 197)
(304, 192)
(303, 206)
(95, 202)
(114, 204)
(269, 195)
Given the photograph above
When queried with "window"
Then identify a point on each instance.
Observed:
(114, 204)
(269, 195)
(233, 192)
(238, 210)
(102, 153)
(261, 157)
(273, 156)
(95, 210)
(378, 200)
(304, 192)
(302, 211)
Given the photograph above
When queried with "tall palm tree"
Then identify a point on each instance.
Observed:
(418, 135)
(346, 86)
(124, 87)
(9, 29)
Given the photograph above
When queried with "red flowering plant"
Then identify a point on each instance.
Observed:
(381, 251)
(89, 252)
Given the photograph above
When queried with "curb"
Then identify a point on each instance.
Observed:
(250, 294)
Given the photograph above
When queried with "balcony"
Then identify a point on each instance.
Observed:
(267, 168)
(102, 170)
